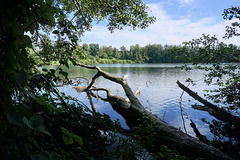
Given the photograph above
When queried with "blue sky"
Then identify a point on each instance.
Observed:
(177, 21)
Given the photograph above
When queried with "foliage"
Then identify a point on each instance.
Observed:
(225, 78)
(221, 63)
(57, 124)
(146, 134)
(36, 120)
(209, 56)
(226, 136)
(232, 14)
(153, 53)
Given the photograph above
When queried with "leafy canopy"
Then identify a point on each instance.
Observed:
(36, 120)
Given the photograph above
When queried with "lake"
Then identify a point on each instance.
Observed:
(159, 93)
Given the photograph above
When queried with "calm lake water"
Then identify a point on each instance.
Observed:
(159, 93)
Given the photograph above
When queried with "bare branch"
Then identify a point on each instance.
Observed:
(212, 109)
(91, 103)
(133, 112)
(198, 134)
(182, 111)
(80, 88)
(120, 80)
(138, 90)
(93, 81)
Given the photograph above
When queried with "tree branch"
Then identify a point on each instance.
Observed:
(138, 90)
(120, 80)
(198, 134)
(134, 113)
(212, 109)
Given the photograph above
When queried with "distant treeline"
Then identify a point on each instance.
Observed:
(152, 53)
(155, 53)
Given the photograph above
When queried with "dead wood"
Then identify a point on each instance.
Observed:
(91, 103)
(138, 90)
(198, 134)
(132, 110)
(80, 88)
(212, 109)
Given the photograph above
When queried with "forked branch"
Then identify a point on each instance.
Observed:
(133, 112)
(120, 80)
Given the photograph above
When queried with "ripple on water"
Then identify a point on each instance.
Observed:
(159, 93)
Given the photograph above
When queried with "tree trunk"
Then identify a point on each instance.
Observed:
(212, 109)
(132, 110)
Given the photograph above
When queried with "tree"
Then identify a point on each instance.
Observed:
(208, 54)
(94, 49)
(209, 50)
(37, 121)
(116, 53)
(154, 53)
(103, 52)
(46, 49)
(145, 123)
(85, 50)
(110, 52)
(123, 52)
(136, 53)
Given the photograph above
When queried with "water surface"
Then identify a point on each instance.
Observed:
(159, 93)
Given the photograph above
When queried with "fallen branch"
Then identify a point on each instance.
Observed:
(91, 103)
(108, 91)
(182, 111)
(138, 90)
(133, 112)
(80, 88)
(212, 109)
(120, 80)
(198, 134)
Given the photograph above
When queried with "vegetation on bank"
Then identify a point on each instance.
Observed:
(37, 121)
(152, 53)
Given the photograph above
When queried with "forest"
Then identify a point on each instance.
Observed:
(152, 53)
(38, 121)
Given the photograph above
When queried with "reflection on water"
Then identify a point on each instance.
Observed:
(159, 93)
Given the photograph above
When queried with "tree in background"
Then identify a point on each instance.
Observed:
(123, 52)
(136, 54)
(94, 49)
(103, 52)
(109, 51)
(46, 49)
(116, 53)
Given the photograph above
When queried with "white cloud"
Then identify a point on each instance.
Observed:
(165, 30)
(184, 2)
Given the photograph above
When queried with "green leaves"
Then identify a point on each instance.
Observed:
(222, 66)
(69, 137)
(14, 118)
(35, 123)
(29, 100)
(22, 78)
(230, 14)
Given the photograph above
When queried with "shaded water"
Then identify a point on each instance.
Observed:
(159, 93)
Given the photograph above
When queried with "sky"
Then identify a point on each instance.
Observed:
(177, 21)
